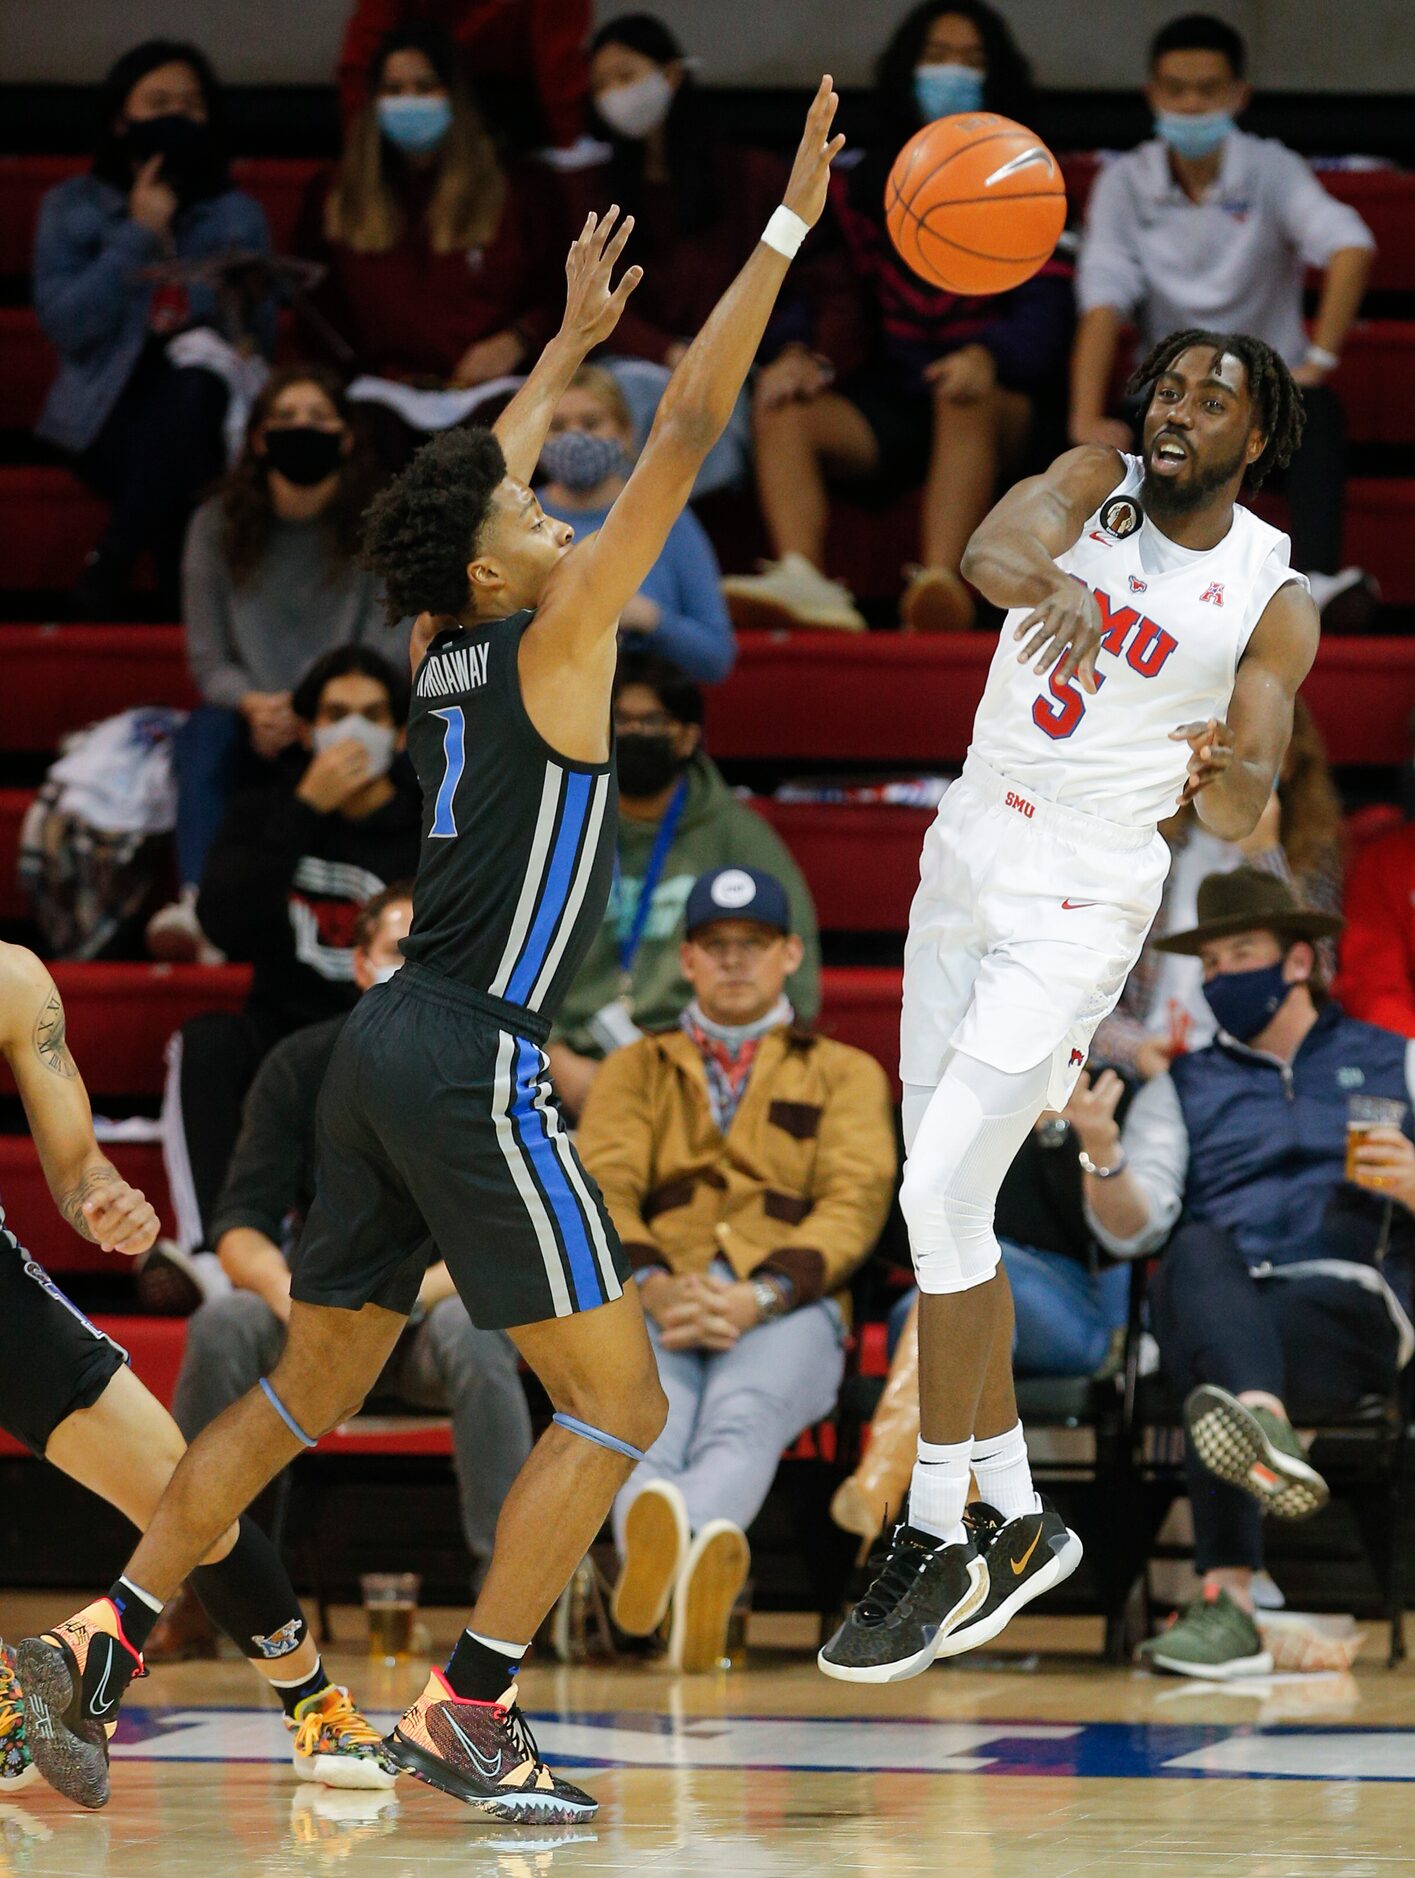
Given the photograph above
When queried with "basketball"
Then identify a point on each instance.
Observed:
(975, 203)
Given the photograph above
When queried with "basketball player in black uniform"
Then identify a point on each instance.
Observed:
(437, 1118)
(66, 1391)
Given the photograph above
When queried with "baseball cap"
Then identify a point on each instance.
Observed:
(737, 893)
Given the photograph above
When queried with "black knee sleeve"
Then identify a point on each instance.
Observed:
(249, 1596)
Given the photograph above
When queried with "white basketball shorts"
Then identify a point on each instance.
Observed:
(1026, 924)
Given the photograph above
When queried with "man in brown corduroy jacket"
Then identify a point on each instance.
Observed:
(748, 1166)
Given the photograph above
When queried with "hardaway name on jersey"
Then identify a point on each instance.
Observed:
(1176, 623)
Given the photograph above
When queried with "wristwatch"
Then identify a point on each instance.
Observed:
(771, 1299)
(1088, 1166)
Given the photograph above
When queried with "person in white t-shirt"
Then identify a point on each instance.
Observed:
(1204, 225)
(1163, 637)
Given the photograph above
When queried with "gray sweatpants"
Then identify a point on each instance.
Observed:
(731, 1413)
(447, 1366)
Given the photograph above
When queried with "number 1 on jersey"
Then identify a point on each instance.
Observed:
(444, 817)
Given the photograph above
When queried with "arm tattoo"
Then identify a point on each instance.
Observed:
(101, 1174)
(49, 1040)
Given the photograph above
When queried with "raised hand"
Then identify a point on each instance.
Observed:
(1212, 749)
(810, 173)
(592, 309)
(1067, 622)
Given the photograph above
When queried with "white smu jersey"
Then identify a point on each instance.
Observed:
(1178, 619)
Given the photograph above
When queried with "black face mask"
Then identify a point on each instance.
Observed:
(647, 765)
(304, 454)
(188, 154)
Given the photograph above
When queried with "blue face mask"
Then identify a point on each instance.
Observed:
(415, 124)
(1245, 1003)
(581, 459)
(944, 90)
(1194, 136)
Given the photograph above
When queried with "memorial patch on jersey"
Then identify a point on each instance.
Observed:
(1121, 516)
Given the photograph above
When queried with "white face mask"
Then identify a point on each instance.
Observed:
(380, 974)
(378, 740)
(636, 109)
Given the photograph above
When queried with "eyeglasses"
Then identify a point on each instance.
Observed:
(720, 946)
(650, 724)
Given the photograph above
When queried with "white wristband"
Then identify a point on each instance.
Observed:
(1324, 360)
(785, 231)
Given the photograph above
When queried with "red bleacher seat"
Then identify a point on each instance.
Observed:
(796, 697)
(35, 1220)
(861, 862)
(57, 678)
(120, 1016)
(13, 803)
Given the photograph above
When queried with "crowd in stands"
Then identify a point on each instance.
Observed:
(748, 1162)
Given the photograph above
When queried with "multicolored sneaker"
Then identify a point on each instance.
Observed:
(484, 1754)
(1026, 1556)
(74, 1677)
(922, 1591)
(335, 1746)
(17, 1768)
(1212, 1637)
(1253, 1449)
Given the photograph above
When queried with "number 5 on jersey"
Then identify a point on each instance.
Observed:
(454, 753)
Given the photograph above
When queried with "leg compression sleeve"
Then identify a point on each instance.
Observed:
(599, 1437)
(963, 1144)
(310, 1441)
(248, 1594)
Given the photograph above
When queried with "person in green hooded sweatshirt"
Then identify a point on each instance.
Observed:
(678, 819)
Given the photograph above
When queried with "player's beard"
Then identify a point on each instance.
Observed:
(1164, 496)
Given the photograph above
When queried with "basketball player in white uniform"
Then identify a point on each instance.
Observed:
(1163, 638)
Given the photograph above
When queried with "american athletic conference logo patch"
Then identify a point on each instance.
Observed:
(1121, 516)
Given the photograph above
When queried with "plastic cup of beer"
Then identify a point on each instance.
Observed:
(1363, 1113)
(391, 1602)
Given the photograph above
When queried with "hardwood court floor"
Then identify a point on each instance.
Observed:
(1042, 1765)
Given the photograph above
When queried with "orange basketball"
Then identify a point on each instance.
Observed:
(975, 203)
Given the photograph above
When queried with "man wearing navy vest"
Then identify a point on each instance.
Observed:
(1281, 1273)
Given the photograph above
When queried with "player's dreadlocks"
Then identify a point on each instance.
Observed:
(1276, 396)
(421, 531)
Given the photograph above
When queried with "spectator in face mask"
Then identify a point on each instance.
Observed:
(141, 430)
(679, 612)
(678, 819)
(292, 864)
(268, 584)
(445, 265)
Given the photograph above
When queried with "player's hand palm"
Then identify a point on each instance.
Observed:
(592, 308)
(810, 173)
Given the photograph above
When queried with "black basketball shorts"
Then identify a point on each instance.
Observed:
(52, 1359)
(438, 1127)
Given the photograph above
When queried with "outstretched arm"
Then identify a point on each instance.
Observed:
(1234, 766)
(88, 1190)
(593, 583)
(591, 314)
(1011, 559)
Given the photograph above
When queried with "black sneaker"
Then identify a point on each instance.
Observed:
(1025, 1557)
(74, 1676)
(923, 1591)
(484, 1754)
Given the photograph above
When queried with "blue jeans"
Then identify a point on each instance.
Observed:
(209, 754)
(1065, 1313)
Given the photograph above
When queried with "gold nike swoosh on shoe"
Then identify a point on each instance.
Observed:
(1019, 1565)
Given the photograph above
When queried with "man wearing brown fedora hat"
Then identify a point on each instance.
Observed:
(1280, 1282)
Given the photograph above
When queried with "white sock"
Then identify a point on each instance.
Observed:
(513, 1652)
(1004, 1476)
(938, 1490)
(143, 1597)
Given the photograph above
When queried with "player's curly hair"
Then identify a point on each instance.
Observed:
(1276, 395)
(420, 533)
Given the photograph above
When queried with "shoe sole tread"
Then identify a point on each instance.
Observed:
(73, 1765)
(1231, 1444)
